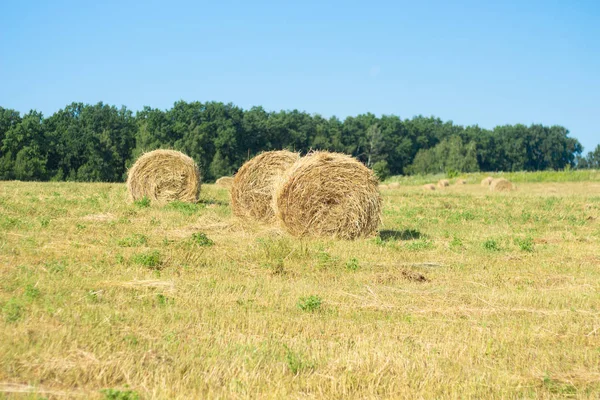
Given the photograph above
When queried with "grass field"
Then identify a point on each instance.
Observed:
(464, 294)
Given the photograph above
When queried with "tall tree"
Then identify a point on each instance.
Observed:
(591, 160)
(24, 149)
(98, 142)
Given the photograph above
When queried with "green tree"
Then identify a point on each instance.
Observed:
(98, 142)
(25, 149)
(91, 142)
(8, 119)
(591, 160)
(448, 155)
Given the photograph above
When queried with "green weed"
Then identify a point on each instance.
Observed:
(310, 303)
(12, 310)
(456, 243)
(296, 363)
(31, 292)
(326, 260)
(200, 239)
(557, 387)
(163, 300)
(525, 244)
(134, 240)
(184, 208)
(116, 394)
(491, 245)
(353, 264)
(421, 244)
(144, 202)
(149, 259)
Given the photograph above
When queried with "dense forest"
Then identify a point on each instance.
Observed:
(99, 142)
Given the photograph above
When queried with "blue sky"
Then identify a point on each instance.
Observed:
(472, 62)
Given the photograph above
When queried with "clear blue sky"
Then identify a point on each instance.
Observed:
(468, 61)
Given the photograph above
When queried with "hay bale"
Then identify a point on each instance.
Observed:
(254, 183)
(487, 181)
(329, 195)
(461, 182)
(443, 183)
(394, 185)
(163, 176)
(224, 181)
(501, 185)
(429, 186)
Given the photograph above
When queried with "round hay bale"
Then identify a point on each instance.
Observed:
(224, 181)
(461, 182)
(394, 185)
(382, 187)
(443, 183)
(253, 184)
(429, 186)
(329, 195)
(501, 185)
(487, 181)
(163, 176)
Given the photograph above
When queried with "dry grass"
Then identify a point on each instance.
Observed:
(164, 176)
(254, 183)
(501, 185)
(383, 187)
(465, 294)
(328, 194)
(394, 185)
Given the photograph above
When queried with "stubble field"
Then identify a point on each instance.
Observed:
(463, 294)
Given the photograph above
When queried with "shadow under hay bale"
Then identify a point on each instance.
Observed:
(392, 235)
(329, 195)
(163, 176)
(213, 202)
(501, 185)
(253, 185)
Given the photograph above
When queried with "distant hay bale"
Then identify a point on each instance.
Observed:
(461, 182)
(224, 181)
(501, 185)
(328, 195)
(394, 185)
(429, 186)
(487, 181)
(163, 176)
(253, 185)
(443, 183)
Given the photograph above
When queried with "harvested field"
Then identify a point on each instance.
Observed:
(464, 293)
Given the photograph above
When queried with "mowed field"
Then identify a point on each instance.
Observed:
(463, 294)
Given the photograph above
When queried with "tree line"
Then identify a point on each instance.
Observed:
(84, 142)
